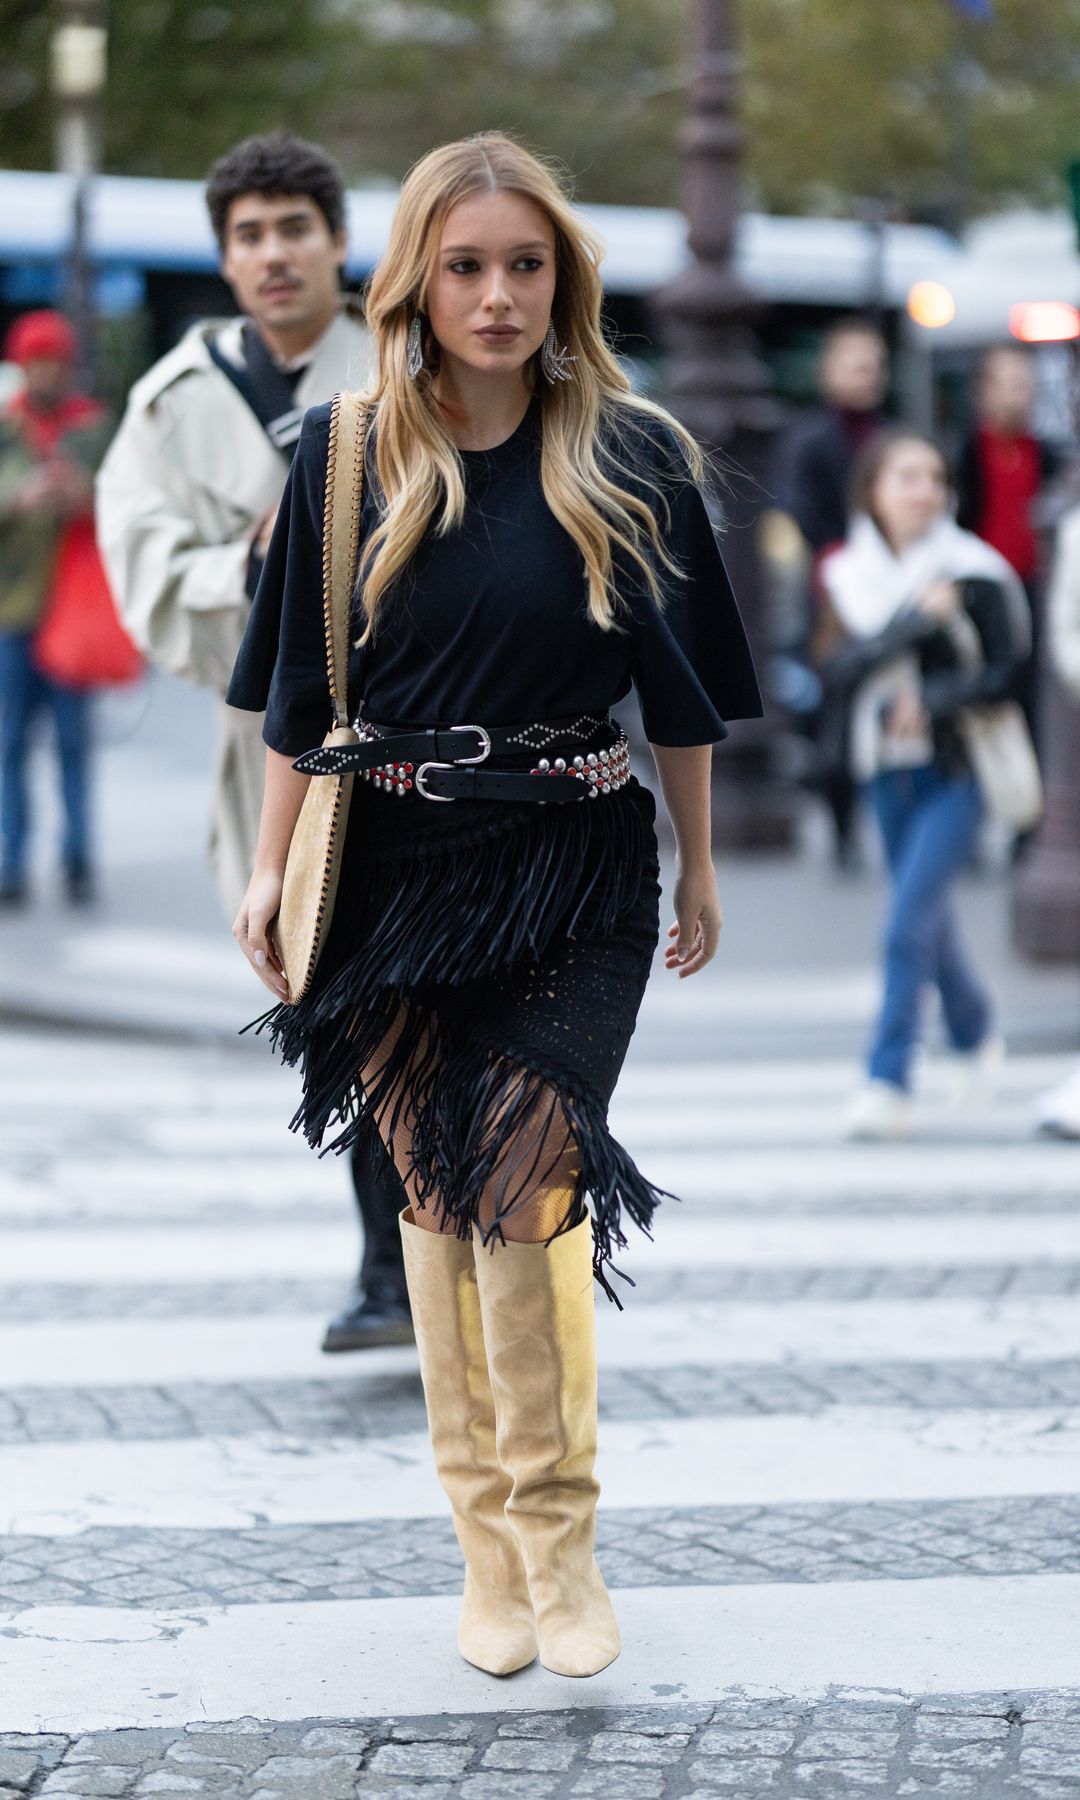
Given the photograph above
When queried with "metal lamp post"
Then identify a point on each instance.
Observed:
(78, 66)
(720, 388)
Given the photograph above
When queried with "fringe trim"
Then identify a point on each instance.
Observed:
(428, 923)
(483, 1126)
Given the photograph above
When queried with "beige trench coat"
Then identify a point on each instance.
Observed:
(1064, 603)
(185, 482)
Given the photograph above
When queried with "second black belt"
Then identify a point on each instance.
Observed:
(443, 762)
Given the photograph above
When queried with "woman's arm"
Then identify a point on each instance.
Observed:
(282, 800)
(685, 773)
(945, 691)
(858, 658)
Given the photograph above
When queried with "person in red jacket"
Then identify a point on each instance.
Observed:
(47, 434)
(1002, 471)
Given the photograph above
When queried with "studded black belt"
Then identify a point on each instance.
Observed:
(583, 757)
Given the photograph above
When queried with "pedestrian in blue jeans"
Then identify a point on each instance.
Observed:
(926, 621)
(26, 698)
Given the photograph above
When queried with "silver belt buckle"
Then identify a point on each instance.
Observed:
(484, 739)
(418, 782)
(458, 763)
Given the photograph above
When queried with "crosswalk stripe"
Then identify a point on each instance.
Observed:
(285, 1346)
(180, 1253)
(146, 1185)
(328, 1248)
(650, 1126)
(753, 1181)
(810, 1127)
(231, 1083)
(848, 1453)
(770, 1178)
(85, 1668)
(783, 1079)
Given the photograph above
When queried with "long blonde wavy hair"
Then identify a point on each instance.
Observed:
(585, 421)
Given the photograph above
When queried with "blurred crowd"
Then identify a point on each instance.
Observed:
(931, 597)
(1006, 485)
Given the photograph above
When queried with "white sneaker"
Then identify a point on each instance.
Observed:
(977, 1073)
(1058, 1112)
(880, 1113)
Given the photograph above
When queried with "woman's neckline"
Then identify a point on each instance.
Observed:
(523, 427)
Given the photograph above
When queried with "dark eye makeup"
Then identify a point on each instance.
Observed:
(468, 265)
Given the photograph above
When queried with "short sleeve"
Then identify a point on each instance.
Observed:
(281, 665)
(692, 666)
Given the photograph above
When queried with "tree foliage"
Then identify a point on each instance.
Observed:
(598, 83)
(843, 99)
(913, 102)
(185, 79)
(594, 81)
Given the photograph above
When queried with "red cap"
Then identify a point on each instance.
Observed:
(41, 336)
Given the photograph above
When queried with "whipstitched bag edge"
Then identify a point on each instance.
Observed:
(313, 865)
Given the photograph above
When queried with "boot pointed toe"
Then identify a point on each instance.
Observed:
(496, 1633)
(578, 1655)
(578, 1634)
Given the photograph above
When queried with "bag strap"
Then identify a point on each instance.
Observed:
(269, 395)
(341, 539)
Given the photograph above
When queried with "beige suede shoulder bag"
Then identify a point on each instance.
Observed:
(314, 860)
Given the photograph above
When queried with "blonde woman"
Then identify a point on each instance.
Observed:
(534, 540)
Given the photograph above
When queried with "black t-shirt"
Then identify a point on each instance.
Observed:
(489, 623)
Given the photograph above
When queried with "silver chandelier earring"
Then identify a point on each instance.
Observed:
(414, 348)
(555, 362)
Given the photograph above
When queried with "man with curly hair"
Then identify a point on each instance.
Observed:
(186, 501)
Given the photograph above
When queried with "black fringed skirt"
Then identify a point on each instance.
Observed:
(486, 971)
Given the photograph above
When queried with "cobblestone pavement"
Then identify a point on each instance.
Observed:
(638, 1548)
(51, 1300)
(998, 1747)
(389, 1404)
(892, 1613)
(969, 1196)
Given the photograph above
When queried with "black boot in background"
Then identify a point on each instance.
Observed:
(378, 1313)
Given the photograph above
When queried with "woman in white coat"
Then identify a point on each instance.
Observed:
(932, 622)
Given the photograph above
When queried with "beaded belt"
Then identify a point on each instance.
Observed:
(443, 762)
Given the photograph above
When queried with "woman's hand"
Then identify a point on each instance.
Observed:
(694, 937)
(941, 601)
(252, 929)
(263, 532)
(685, 772)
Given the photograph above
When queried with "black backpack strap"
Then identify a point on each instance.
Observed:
(269, 393)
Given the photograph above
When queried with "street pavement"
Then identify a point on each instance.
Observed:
(840, 1432)
(840, 1455)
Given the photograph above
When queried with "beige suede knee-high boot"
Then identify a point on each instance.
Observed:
(537, 1306)
(496, 1631)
